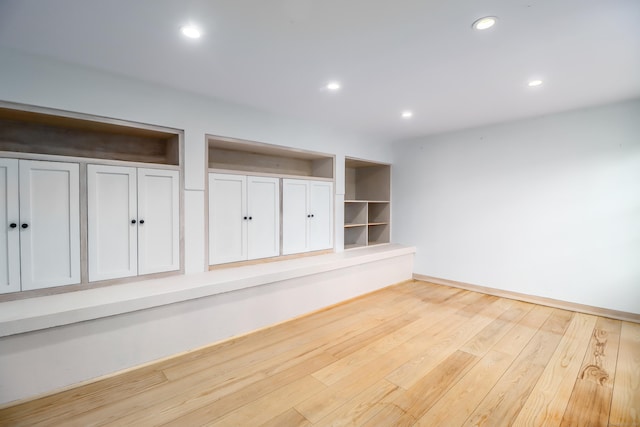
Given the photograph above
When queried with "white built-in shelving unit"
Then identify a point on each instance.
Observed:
(367, 204)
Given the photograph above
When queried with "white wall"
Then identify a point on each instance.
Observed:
(547, 207)
(42, 82)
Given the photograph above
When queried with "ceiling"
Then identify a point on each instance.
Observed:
(389, 56)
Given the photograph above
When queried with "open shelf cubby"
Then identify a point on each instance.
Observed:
(355, 237)
(367, 205)
(377, 234)
(63, 134)
(235, 155)
(355, 213)
(379, 213)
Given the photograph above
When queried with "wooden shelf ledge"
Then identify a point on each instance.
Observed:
(367, 201)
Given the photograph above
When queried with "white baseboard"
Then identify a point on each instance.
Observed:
(550, 302)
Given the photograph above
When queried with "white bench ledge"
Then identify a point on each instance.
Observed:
(62, 309)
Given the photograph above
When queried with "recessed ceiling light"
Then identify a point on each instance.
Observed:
(333, 86)
(407, 114)
(534, 83)
(484, 23)
(191, 31)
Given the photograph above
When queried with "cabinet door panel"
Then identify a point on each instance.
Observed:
(9, 237)
(295, 196)
(227, 227)
(263, 207)
(321, 209)
(112, 237)
(158, 220)
(50, 208)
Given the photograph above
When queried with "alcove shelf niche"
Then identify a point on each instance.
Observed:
(233, 155)
(34, 131)
(367, 205)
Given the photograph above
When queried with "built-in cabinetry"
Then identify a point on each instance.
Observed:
(244, 217)
(258, 190)
(227, 154)
(85, 199)
(133, 221)
(307, 216)
(39, 204)
(367, 204)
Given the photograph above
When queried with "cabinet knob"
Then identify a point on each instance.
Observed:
(13, 225)
(250, 218)
(142, 221)
(133, 221)
(312, 215)
(25, 225)
(308, 216)
(246, 218)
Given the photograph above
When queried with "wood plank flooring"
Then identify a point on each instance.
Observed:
(411, 354)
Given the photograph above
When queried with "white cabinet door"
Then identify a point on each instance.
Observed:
(227, 223)
(321, 215)
(263, 212)
(112, 222)
(307, 215)
(49, 224)
(295, 202)
(10, 230)
(158, 220)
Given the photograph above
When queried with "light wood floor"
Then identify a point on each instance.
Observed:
(411, 354)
